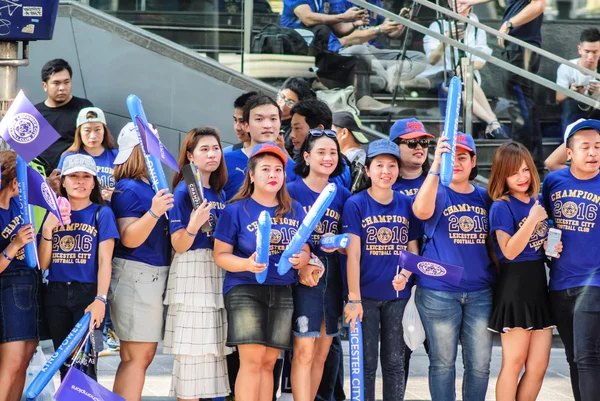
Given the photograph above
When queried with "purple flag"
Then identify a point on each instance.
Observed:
(77, 386)
(40, 193)
(154, 146)
(25, 130)
(445, 272)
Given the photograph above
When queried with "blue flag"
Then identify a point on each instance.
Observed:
(25, 130)
(154, 146)
(40, 193)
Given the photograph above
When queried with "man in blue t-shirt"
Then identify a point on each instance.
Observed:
(318, 21)
(364, 43)
(572, 197)
(238, 123)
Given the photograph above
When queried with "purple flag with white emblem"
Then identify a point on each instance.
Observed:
(40, 193)
(445, 272)
(25, 130)
(154, 146)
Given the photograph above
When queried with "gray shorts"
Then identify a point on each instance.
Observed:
(136, 300)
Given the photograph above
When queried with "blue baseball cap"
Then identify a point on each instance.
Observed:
(408, 128)
(579, 125)
(465, 141)
(269, 147)
(383, 147)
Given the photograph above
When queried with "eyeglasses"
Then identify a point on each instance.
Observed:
(412, 143)
(288, 102)
(317, 133)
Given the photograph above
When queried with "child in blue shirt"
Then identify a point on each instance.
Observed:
(380, 224)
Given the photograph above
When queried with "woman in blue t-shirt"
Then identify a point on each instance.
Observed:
(77, 255)
(456, 225)
(19, 287)
(317, 299)
(140, 265)
(196, 321)
(259, 316)
(519, 226)
(380, 224)
(93, 138)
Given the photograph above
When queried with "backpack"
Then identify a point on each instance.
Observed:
(274, 39)
(360, 180)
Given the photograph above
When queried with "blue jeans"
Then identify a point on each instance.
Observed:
(450, 317)
(382, 324)
(577, 315)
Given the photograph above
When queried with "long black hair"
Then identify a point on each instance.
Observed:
(302, 170)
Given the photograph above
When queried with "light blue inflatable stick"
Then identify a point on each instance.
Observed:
(59, 357)
(263, 244)
(305, 230)
(340, 241)
(356, 363)
(450, 130)
(30, 249)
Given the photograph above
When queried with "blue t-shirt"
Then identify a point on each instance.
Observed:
(340, 7)
(237, 226)
(508, 216)
(237, 164)
(290, 20)
(530, 32)
(384, 231)
(179, 216)
(75, 246)
(331, 221)
(460, 239)
(573, 205)
(104, 165)
(11, 222)
(133, 198)
(409, 187)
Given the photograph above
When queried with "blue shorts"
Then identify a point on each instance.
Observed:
(20, 298)
(312, 305)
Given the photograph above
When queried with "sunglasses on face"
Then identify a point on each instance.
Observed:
(412, 143)
(288, 102)
(317, 133)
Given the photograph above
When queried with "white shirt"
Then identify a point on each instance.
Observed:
(565, 76)
(474, 38)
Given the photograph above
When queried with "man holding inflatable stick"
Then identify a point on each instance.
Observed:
(571, 196)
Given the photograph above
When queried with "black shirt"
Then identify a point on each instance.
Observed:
(530, 32)
(64, 120)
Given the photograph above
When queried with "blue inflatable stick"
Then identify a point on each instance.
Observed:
(59, 357)
(30, 251)
(263, 244)
(155, 169)
(450, 129)
(356, 363)
(340, 241)
(305, 230)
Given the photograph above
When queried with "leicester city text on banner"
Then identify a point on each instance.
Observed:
(154, 146)
(25, 130)
(40, 193)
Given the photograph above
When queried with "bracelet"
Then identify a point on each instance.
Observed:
(436, 173)
(189, 233)
(99, 298)
(354, 301)
(46, 239)
(153, 214)
(378, 29)
(6, 256)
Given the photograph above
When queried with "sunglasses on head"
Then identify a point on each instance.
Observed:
(320, 132)
(412, 143)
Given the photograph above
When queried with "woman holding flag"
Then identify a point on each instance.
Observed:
(380, 224)
(20, 288)
(259, 315)
(456, 228)
(140, 264)
(77, 254)
(318, 297)
(196, 321)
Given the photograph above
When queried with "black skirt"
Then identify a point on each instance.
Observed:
(521, 298)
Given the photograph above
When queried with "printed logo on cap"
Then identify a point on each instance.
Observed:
(431, 269)
(461, 138)
(414, 126)
(24, 128)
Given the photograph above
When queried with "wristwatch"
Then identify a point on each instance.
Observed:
(509, 24)
(378, 29)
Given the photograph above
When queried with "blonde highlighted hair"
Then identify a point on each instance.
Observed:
(134, 168)
(507, 161)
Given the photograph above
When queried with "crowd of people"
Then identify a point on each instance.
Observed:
(190, 280)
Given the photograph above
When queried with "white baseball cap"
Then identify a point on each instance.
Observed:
(128, 139)
(78, 163)
(82, 117)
